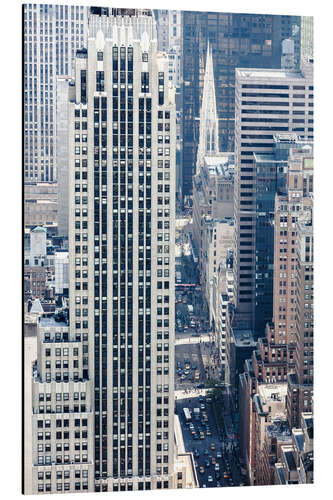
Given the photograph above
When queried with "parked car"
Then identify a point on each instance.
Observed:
(202, 470)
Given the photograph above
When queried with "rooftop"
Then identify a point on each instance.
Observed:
(51, 323)
(279, 472)
(243, 337)
(289, 458)
(266, 74)
(273, 392)
(299, 439)
(279, 429)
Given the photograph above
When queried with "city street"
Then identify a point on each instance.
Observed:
(195, 364)
(229, 470)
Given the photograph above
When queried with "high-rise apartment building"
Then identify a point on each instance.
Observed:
(267, 102)
(237, 40)
(52, 34)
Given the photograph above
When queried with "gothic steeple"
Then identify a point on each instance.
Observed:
(209, 125)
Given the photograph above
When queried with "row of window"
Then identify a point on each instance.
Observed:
(65, 351)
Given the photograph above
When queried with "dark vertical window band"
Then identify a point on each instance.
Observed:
(100, 285)
(144, 296)
(161, 89)
(84, 86)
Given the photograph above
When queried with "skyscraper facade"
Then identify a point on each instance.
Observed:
(103, 393)
(237, 40)
(52, 34)
(267, 101)
(121, 229)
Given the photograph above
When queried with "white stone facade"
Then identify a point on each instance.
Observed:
(121, 234)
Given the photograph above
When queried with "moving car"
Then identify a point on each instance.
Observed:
(218, 454)
(210, 479)
(217, 475)
(212, 446)
(217, 466)
(207, 464)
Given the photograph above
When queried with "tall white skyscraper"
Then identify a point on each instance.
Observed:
(112, 368)
(52, 34)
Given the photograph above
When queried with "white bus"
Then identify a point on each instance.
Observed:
(187, 415)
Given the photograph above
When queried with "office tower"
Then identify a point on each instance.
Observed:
(52, 34)
(276, 351)
(169, 40)
(289, 207)
(237, 40)
(300, 383)
(162, 26)
(272, 171)
(169, 26)
(121, 233)
(267, 101)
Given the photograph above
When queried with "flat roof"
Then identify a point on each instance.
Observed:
(243, 337)
(290, 460)
(279, 428)
(279, 471)
(273, 392)
(265, 73)
(51, 322)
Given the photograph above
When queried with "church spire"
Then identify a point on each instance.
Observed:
(209, 126)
